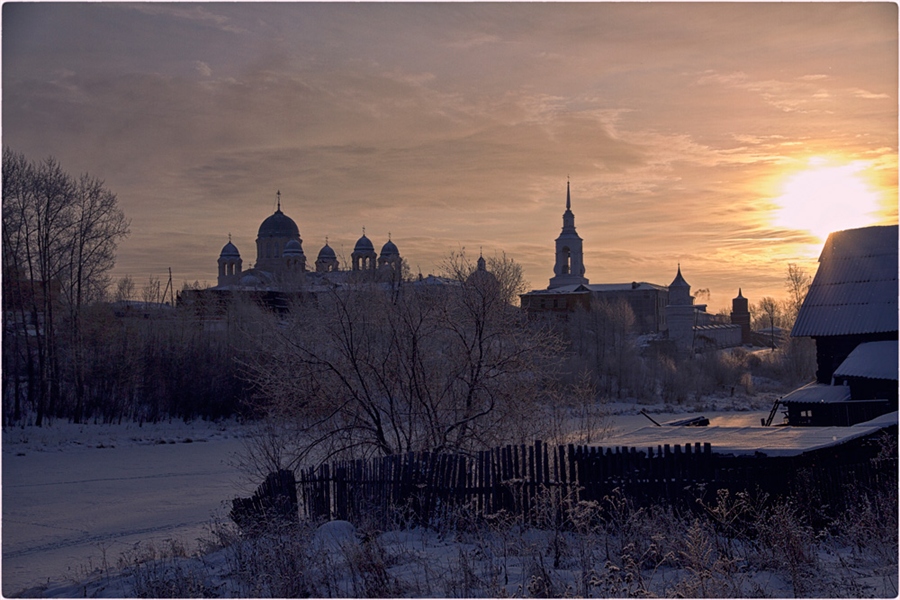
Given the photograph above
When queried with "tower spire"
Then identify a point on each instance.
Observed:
(279, 200)
(569, 266)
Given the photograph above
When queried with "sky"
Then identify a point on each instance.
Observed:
(728, 138)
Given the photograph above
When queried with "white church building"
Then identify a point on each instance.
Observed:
(281, 263)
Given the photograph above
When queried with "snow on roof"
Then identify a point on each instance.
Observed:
(563, 289)
(885, 420)
(716, 327)
(621, 287)
(771, 441)
(600, 287)
(855, 287)
(818, 392)
(872, 360)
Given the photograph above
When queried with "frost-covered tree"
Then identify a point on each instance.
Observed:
(363, 371)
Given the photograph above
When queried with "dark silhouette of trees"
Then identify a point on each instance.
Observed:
(59, 241)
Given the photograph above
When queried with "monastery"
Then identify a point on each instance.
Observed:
(667, 311)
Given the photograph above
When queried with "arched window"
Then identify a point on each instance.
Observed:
(567, 261)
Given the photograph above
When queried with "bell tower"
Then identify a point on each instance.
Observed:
(569, 266)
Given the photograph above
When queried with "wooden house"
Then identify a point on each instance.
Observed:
(851, 313)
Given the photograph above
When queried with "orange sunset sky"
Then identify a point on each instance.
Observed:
(728, 137)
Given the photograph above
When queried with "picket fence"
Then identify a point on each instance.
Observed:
(420, 486)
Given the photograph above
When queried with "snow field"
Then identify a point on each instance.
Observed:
(75, 497)
(117, 511)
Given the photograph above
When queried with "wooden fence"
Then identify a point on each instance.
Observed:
(518, 479)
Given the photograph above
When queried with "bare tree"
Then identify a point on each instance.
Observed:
(797, 283)
(97, 225)
(363, 371)
(769, 308)
(59, 242)
(36, 224)
(510, 275)
(124, 289)
(152, 292)
(604, 334)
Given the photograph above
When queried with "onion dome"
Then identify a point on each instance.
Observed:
(364, 244)
(389, 249)
(293, 248)
(326, 253)
(229, 250)
(279, 225)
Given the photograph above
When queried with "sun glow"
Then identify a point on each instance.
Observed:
(827, 197)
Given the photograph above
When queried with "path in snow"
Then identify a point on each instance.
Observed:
(65, 509)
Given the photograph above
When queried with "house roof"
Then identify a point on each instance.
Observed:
(872, 360)
(580, 288)
(818, 393)
(855, 287)
(771, 441)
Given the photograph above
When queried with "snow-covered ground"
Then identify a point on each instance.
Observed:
(77, 496)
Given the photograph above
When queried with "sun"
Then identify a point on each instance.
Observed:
(827, 197)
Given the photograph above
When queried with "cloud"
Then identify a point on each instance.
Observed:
(455, 124)
(195, 13)
(202, 68)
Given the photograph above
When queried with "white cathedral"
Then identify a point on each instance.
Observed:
(281, 263)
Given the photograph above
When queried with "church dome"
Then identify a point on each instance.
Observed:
(483, 279)
(326, 253)
(229, 250)
(293, 248)
(250, 281)
(364, 244)
(390, 249)
(279, 225)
